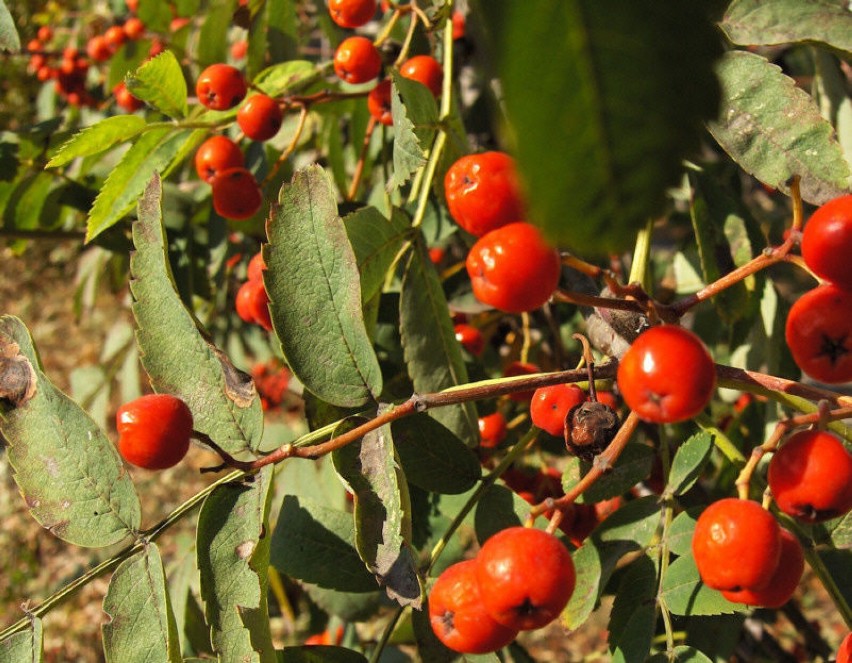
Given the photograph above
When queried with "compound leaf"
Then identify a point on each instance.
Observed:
(98, 138)
(689, 461)
(159, 82)
(415, 116)
(685, 594)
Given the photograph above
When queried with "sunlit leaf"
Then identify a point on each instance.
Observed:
(98, 138)
(160, 83)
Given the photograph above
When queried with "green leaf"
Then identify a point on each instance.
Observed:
(680, 532)
(315, 298)
(433, 458)
(774, 130)
(376, 242)
(319, 654)
(382, 513)
(604, 116)
(141, 624)
(433, 356)
(27, 646)
(67, 470)
(151, 153)
(633, 617)
(9, 38)
(685, 594)
(317, 545)
(682, 654)
(233, 556)
(177, 356)
(689, 462)
(633, 465)
(498, 508)
(159, 82)
(98, 138)
(589, 570)
(287, 77)
(840, 530)
(634, 523)
(216, 19)
(273, 35)
(838, 563)
(769, 22)
(415, 116)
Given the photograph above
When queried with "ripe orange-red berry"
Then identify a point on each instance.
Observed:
(220, 87)
(351, 13)
(134, 28)
(154, 431)
(125, 99)
(550, 405)
(782, 584)
(827, 242)
(379, 102)
(426, 70)
(260, 117)
(252, 304)
(492, 430)
(357, 60)
(216, 154)
(236, 194)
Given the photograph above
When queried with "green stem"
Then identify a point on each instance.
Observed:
(723, 442)
(641, 257)
(663, 550)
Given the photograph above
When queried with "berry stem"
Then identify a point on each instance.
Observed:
(362, 157)
(291, 147)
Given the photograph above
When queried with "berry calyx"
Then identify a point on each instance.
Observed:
(810, 476)
(827, 242)
(483, 193)
(220, 87)
(513, 269)
(357, 60)
(782, 584)
(470, 338)
(525, 576)
(550, 406)
(260, 117)
(492, 430)
(351, 13)
(236, 194)
(154, 431)
(819, 333)
(216, 154)
(426, 70)
(379, 103)
(457, 614)
(667, 375)
(736, 545)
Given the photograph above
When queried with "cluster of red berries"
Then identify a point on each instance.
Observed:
(252, 301)
(819, 325)
(154, 431)
(272, 380)
(520, 580)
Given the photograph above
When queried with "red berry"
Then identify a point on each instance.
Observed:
(827, 242)
(260, 117)
(126, 100)
(154, 431)
(220, 87)
(45, 33)
(819, 333)
(252, 304)
(379, 103)
(98, 49)
(483, 193)
(810, 476)
(34, 45)
(357, 60)
(134, 28)
(115, 36)
(239, 49)
(459, 23)
(256, 267)
(216, 154)
(436, 255)
(132, 5)
(426, 70)
(351, 13)
(470, 338)
(667, 375)
(157, 47)
(492, 430)
(178, 23)
(458, 616)
(844, 653)
(236, 194)
(736, 545)
(782, 584)
(513, 269)
(520, 368)
(550, 406)
(525, 577)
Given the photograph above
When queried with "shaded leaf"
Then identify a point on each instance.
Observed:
(774, 130)
(633, 617)
(319, 654)
(498, 508)
(100, 137)
(382, 513)
(9, 38)
(376, 242)
(688, 463)
(415, 116)
(233, 556)
(68, 472)
(178, 358)
(433, 458)
(613, 107)
(680, 532)
(681, 654)
(141, 624)
(216, 19)
(27, 646)
(315, 299)
(433, 356)
(633, 465)
(685, 594)
(159, 82)
(273, 35)
(768, 22)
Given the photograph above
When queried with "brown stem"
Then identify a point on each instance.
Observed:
(737, 378)
(300, 127)
(598, 302)
(595, 272)
(362, 157)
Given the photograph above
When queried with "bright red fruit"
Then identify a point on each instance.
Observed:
(470, 338)
(260, 117)
(667, 375)
(351, 13)
(45, 33)
(154, 431)
(810, 476)
(379, 102)
(844, 653)
(220, 87)
(550, 405)
(426, 70)
(819, 333)
(736, 545)
(216, 154)
(513, 269)
(458, 617)
(782, 584)
(525, 577)
(252, 304)
(134, 28)
(126, 100)
(236, 194)
(492, 430)
(827, 242)
(98, 49)
(483, 193)
(256, 267)
(357, 60)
